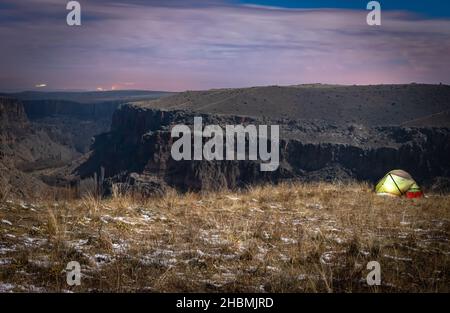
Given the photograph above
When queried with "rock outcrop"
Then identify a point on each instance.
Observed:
(41, 132)
(17, 145)
(327, 133)
(12, 113)
(139, 143)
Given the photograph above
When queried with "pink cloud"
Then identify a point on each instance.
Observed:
(174, 48)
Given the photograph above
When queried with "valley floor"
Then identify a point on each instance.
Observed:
(286, 238)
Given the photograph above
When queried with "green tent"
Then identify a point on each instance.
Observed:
(397, 183)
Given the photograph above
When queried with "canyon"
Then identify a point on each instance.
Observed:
(43, 131)
(327, 133)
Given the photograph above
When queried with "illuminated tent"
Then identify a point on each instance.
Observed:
(398, 183)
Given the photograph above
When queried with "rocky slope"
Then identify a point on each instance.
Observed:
(22, 146)
(40, 132)
(327, 133)
(366, 105)
(74, 118)
(12, 113)
(136, 152)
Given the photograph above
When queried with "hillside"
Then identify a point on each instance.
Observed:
(139, 221)
(366, 105)
(40, 132)
(317, 143)
(440, 119)
(23, 146)
(89, 97)
(328, 133)
(290, 238)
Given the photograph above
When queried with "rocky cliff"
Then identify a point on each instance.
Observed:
(21, 144)
(74, 118)
(137, 150)
(41, 132)
(12, 112)
(36, 109)
(13, 120)
(51, 138)
(329, 134)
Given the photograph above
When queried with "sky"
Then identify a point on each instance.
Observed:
(178, 45)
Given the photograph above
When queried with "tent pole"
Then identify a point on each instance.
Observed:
(401, 193)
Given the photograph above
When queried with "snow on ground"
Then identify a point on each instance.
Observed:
(232, 242)
(7, 222)
(6, 287)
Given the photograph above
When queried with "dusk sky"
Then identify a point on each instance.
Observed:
(190, 44)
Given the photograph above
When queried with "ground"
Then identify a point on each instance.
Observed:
(285, 238)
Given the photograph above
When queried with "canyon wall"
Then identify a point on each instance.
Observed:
(137, 150)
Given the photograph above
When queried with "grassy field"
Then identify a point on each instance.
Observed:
(287, 238)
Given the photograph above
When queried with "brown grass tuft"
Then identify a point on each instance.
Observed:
(286, 238)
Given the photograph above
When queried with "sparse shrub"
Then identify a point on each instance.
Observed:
(52, 224)
(104, 242)
(266, 238)
(353, 247)
(375, 249)
(5, 189)
(91, 203)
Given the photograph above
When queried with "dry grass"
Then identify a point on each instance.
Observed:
(4, 189)
(289, 238)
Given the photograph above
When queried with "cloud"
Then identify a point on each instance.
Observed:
(186, 45)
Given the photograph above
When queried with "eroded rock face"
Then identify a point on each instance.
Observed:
(139, 142)
(13, 119)
(70, 123)
(28, 148)
(18, 143)
(11, 111)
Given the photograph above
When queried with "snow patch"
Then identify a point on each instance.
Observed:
(289, 241)
(397, 258)
(6, 287)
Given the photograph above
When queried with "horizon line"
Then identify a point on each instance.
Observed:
(215, 88)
